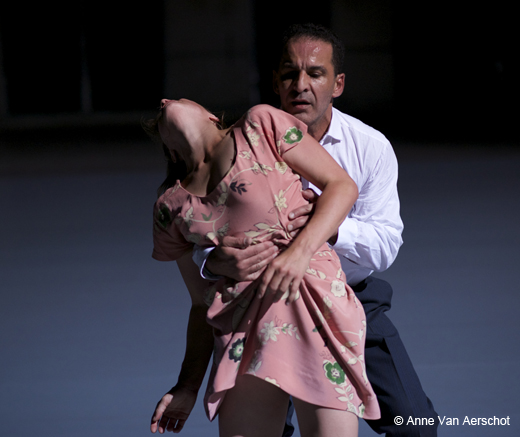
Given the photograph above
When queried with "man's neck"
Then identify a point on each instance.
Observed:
(318, 129)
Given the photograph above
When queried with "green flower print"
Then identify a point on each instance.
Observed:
(334, 373)
(237, 349)
(163, 216)
(293, 135)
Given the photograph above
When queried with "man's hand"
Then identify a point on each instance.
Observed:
(238, 259)
(300, 216)
(173, 410)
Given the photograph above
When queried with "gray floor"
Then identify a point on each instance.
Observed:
(92, 329)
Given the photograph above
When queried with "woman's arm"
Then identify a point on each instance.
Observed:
(339, 193)
(173, 409)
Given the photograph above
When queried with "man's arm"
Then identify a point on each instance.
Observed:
(174, 408)
(371, 235)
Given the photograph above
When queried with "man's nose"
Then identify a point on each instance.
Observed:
(302, 82)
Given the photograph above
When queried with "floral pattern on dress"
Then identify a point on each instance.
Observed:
(281, 167)
(325, 323)
(274, 328)
(261, 168)
(253, 136)
(336, 375)
(224, 194)
(280, 201)
(163, 217)
(337, 288)
(334, 372)
(293, 135)
(237, 349)
(239, 187)
(271, 381)
(255, 364)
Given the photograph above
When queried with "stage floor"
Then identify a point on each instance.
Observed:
(92, 329)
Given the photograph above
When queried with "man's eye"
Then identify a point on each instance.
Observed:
(290, 75)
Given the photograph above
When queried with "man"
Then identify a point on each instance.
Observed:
(307, 80)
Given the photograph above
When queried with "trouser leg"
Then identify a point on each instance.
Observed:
(390, 371)
(289, 427)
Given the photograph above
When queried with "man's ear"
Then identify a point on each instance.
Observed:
(275, 82)
(339, 85)
(214, 119)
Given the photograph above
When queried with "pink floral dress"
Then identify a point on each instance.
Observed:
(312, 349)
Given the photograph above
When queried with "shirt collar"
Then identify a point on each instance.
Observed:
(333, 134)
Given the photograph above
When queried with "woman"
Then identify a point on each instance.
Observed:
(298, 330)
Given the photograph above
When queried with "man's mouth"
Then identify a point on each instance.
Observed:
(300, 104)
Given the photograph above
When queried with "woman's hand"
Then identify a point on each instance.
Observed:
(173, 410)
(284, 274)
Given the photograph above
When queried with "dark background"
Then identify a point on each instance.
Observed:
(455, 63)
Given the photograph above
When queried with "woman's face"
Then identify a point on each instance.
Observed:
(183, 103)
(182, 120)
(182, 116)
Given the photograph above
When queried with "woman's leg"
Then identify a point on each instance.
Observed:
(317, 421)
(253, 408)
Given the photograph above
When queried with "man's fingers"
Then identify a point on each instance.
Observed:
(250, 254)
(259, 260)
(228, 260)
(259, 249)
(310, 195)
(252, 262)
(236, 242)
(253, 276)
(296, 224)
(257, 269)
(301, 211)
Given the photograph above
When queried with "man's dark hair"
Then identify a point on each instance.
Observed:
(316, 32)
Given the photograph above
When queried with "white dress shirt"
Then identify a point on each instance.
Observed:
(370, 237)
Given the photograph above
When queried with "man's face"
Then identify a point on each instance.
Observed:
(306, 82)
